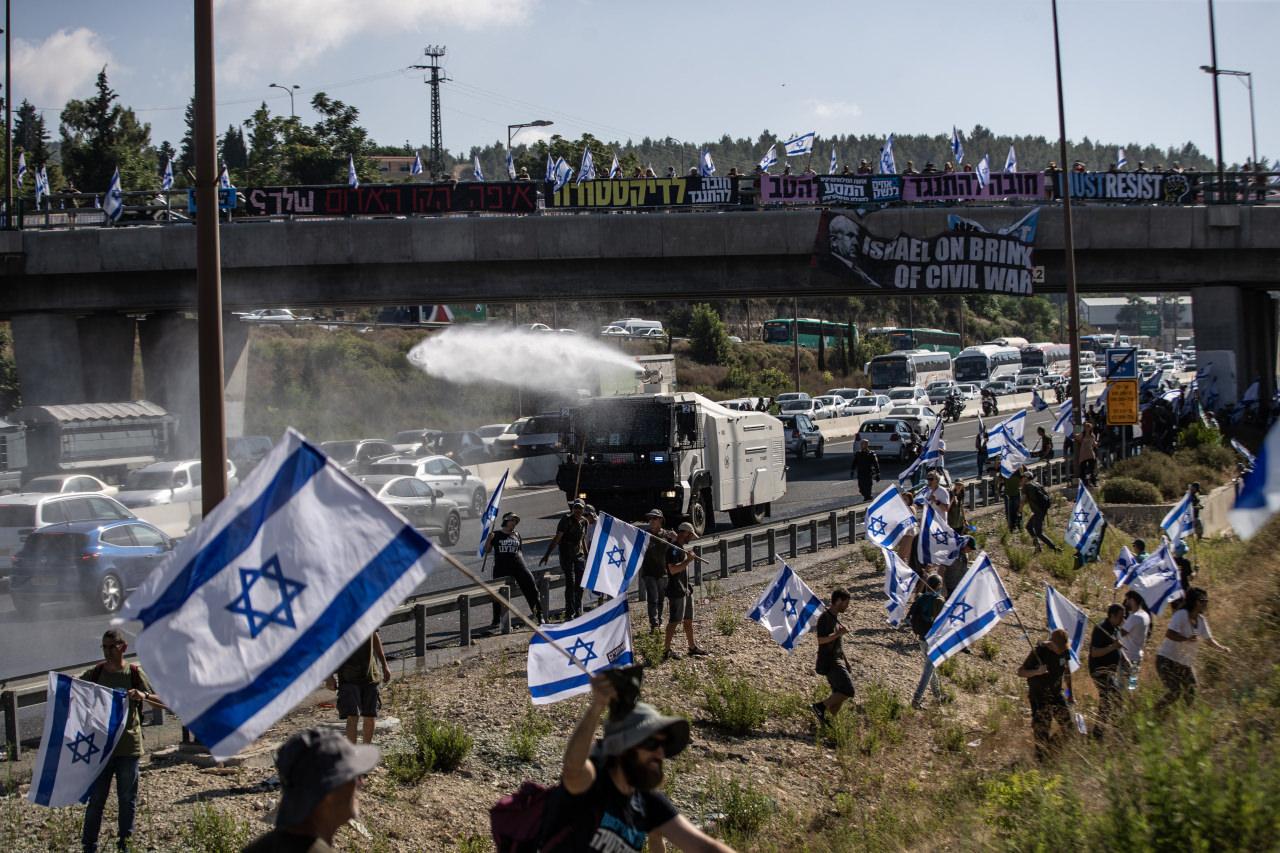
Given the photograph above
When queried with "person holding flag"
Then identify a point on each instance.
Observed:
(921, 616)
(508, 562)
(1038, 502)
(1106, 653)
(1177, 655)
(680, 592)
(828, 632)
(1046, 668)
(786, 608)
(1086, 527)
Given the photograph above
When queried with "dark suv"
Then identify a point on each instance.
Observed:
(802, 436)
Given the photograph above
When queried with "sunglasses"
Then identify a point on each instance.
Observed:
(653, 743)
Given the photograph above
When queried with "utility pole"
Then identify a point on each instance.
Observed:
(1068, 242)
(1217, 113)
(434, 54)
(8, 119)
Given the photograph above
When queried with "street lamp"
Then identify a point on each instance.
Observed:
(1245, 77)
(290, 90)
(513, 129)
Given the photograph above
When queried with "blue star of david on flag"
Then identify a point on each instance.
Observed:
(588, 650)
(789, 605)
(960, 612)
(1082, 517)
(615, 555)
(876, 525)
(89, 751)
(941, 537)
(286, 588)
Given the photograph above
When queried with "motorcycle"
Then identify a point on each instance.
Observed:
(952, 409)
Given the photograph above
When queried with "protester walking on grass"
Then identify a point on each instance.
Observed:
(320, 774)
(1045, 669)
(508, 562)
(921, 615)
(1176, 658)
(866, 467)
(955, 572)
(1134, 632)
(956, 519)
(1086, 449)
(1106, 654)
(609, 797)
(680, 592)
(357, 683)
(122, 765)
(653, 566)
(1013, 500)
(571, 539)
(831, 662)
(1038, 502)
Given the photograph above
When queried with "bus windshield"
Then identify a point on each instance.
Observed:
(777, 333)
(891, 373)
(972, 368)
(605, 425)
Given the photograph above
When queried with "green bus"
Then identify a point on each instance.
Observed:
(779, 331)
(934, 340)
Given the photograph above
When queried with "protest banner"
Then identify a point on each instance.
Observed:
(392, 199)
(954, 186)
(643, 192)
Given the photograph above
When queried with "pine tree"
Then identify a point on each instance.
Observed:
(99, 136)
(30, 134)
(232, 150)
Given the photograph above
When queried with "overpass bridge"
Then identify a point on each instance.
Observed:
(72, 295)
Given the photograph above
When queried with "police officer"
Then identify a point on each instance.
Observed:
(866, 467)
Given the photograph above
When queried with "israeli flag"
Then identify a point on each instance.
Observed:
(1251, 393)
(1011, 161)
(166, 180)
(22, 167)
(887, 166)
(1180, 521)
(1086, 523)
(511, 167)
(614, 557)
(224, 180)
(1012, 430)
(1037, 402)
(889, 518)
(1249, 458)
(930, 456)
(476, 172)
(937, 544)
(615, 170)
(42, 184)
(1063, 423)
(1157, 580)
(957, 145)
(1122, 159)
(770, 158)
(899, 582)
(416, 168)
(1061, 613)
(1012, 457)
(598, 640)
(587, 171)
(786, 608)
(797, 145)
(1126, 566)
(706, 166)
(274, 590)
(491, 513)
(1259, 496)
(973, 610)
(1152, 383)
(353, 180)
(563, 174)
(113, 205)
(82, 726)
(551, 168)
(984, 171)
(831, 168)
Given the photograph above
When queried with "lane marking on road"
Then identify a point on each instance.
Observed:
(513, 496)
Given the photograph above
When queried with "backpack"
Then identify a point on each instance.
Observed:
(922, 613)
(531, 820)
(135, 676)
(1040, 498)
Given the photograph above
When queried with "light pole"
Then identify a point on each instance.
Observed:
(513, 129)
(1247, 78)
(1068, 242)
(1217, 112)
(290, 90)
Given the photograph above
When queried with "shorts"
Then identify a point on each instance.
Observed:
(358, 700)
(840, 681)
(680, 609)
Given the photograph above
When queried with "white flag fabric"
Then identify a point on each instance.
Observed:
(598, 640)
(1061, 613)
(976, 606)
(615, 170)
(1086, 522)
(984, 171)
(889, 518)
(511, 166)
(1064, 421)
(1012, 429)
(587, 168)
(1011, 161)
(562, 175)
(1122, 159)
(491, 513)
(798, 145)
(706, 166)
(42, 184)
(937, 544)
(899, 582)
(166, 180)
(476, 171)
(1125, 567)
(930, 456)
(957, 145)
(887, 166)
(416, 168)
(353, 180)
(274, 590)
(22, 168)
(1179, 522)
(1249, 458)
(1012, 457)
(831, 167)
(1157, 580)
(82, 725)
(787, 608)
(614, 557)
(224, 180)
(770, 158)
(113, 204)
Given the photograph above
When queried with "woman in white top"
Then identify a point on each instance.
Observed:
(1133, 633)
(1178, 651)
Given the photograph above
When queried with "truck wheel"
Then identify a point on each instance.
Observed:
(700, 515)
(747, 515)
(822, 448)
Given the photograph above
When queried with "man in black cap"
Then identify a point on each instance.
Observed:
(608, 797)
(320, 772)
(571, 538)
(653, 568)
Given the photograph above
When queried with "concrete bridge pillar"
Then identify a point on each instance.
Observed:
(1236, 331)
(106, 357)
(46, 348)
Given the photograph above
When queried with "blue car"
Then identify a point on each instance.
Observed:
(94, 562)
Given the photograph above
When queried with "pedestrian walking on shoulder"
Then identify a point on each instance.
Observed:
(1175, 661)
(831, 660)
(1045, 670)
(680, 592)
(122, 766)
(1086, 447)
(866, 467)
(1038, 502)
(1106, 654)
(508, 562)
(1134, 632)
(921, 616)
(1013, 500)
(653, 566)
(356, 682)
(571, 539)
(320, 774)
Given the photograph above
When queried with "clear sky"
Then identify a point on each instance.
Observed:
(692, 70)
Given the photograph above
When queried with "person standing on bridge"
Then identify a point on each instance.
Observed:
(508, 562)
(866, 467)
(571, 539)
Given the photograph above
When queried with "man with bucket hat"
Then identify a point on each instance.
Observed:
(320, 772)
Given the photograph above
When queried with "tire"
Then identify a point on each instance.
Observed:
(452, 530)
(822, 449)
(902, 454)
(110, 593)
(800, 448)
(477, 502)
(700, 515)
(747, 515)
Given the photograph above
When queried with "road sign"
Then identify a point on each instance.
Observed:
(1122, 402)
(1149, 326)
(1122, 363)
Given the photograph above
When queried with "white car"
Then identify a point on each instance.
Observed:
(788, 396)
(867, 405)
(441, 473)
(614, 332)
(814, 409)
(168, 483)
(1089, 376)
(535, 327)
(921, 418)
(834, 404)
(505, 444)
(425, 508)
(275, 315)
(888, 438)
(650, 333)
(489, 434)
(909, 395)
(62, 484)
(969, 391)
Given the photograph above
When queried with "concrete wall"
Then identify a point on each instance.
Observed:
(1143, 520)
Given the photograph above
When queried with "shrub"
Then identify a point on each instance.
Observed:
(734, 703)
(744, 807)
(871, 553)
(988, 648)
(648, 646)
(1126, 490)
(1031, 811)
(212, 830)
(528, 733)
(1198, 435)
(949, 738)
(708, 339)
(1019, 558)
(435, 745)
(1215, 457)
(727, 621)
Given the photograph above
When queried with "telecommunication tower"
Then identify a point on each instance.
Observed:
(434, 54)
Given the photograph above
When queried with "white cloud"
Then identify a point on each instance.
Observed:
(61, 67)
(280, 36)
(833, 109)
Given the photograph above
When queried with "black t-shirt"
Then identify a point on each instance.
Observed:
(508, 559)
(678, 583)
(573, 534)
(606, 819)
(1102, 637)
(828, 652)
(360, 667)
(1046, 688)
(279, 841)
(654, 563)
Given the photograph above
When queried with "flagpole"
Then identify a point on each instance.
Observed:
(1022, 627)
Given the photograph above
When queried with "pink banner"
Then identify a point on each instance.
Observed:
(787, 189)
(949, 186)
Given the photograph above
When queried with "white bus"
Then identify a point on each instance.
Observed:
(636, 327)
(988, 362)
(1055, 358)
(1016, 343)
(909, 368)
